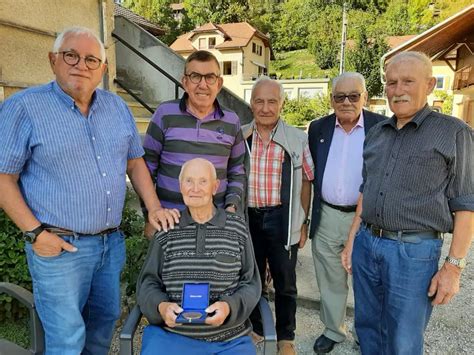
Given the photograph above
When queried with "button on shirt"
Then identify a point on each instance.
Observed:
(416, 176)
(72, 168)
(343, 172)
(266, 164)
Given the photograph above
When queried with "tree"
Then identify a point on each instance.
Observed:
(365, 59)
(160, 12)
(216, 11)
(299, 112)
(325, 36)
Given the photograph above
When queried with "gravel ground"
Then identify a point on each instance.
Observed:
(449, 332)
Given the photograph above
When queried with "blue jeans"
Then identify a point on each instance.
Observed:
(157, 341)
(77, 295)
(391, 280)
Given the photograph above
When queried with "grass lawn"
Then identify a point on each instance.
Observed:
(298, 63)
(16, 331)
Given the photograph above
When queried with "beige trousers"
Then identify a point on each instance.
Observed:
(327, 245)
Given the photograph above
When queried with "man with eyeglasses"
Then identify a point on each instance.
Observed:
(66, 147)
(195, 126)
(336, 143)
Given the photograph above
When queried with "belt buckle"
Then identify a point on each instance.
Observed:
(378, 232)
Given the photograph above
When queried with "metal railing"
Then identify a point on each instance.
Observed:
(177, 84)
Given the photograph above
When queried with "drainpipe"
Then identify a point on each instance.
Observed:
(105, 79)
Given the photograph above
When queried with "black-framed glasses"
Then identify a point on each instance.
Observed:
(196, 78)
(340, 98)
(72, 58)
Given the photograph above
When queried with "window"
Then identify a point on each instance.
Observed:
(440, 82)
(288, 93)
(256, 48)
(247, 95)
(212, 42)
(202, 43)
(229, 67)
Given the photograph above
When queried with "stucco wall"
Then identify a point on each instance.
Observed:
(27, 33)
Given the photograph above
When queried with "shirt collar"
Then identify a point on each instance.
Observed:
(217, 220)
(218, 112)
(68, 100)
(272, 133)
(416, 121)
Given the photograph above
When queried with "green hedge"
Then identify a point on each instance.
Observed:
(14, 269)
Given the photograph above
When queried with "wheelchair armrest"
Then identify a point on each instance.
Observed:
(26, 298)
(269, 332)
(128, 331)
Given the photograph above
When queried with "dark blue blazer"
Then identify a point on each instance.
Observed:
(320, 136)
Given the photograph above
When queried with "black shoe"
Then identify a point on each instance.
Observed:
(323, 345)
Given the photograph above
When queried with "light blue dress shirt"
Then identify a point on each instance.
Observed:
(72, 168)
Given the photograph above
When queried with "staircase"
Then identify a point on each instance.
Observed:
(149, 72)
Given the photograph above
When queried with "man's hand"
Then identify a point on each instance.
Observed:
(444, 284)
(221, 310)
(231, 209)
(346, 257)
(163, 218)
(49, 244)
(169, 312)
(303, 236)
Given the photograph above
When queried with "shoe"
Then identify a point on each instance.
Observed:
(256, 338)
(323, 345)
(286, 347)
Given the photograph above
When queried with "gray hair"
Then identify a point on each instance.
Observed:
(265, 79)
(413, 55)
(202, 161)
(77, 30)
(349, 75)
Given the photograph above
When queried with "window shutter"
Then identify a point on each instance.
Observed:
(234, 67)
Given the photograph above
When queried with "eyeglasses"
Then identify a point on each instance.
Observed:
(72, 58)
(340, 98)
(196, 78)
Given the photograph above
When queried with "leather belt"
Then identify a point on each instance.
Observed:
(346, 209)
(412, 236)
(264, 209)
(66, 232)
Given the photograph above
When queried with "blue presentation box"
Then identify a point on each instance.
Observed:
(194, 301)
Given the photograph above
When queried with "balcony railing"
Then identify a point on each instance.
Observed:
(463, 78)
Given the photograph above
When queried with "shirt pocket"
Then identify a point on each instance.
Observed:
(424, 172)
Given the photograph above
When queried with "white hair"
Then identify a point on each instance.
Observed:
(77, 30)
(265, 79)
(413, 55)
(349, 75)
(202, 161)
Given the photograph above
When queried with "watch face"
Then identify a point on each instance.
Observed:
(29, 237)
(462, 263)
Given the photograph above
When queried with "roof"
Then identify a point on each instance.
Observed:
(151, 27)
(236, 35)
(459, 28)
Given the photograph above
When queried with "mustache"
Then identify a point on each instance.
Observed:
(405, 97)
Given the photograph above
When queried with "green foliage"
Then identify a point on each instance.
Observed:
(160, 12)
(216, 11)
(299, 112)
(137, 245)
(16, 331)
(325, 36)
(13, 266)
(297, 64)
(447, 106)
(365, 59)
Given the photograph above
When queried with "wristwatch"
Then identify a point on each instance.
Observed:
(460, 263)
(307, 221)
(30, 236)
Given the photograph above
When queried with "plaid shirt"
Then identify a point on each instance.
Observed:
(266, 163)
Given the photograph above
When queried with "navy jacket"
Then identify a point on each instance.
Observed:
(320, 136)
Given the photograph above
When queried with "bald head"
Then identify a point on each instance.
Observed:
(201, 164)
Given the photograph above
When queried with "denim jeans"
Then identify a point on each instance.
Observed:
(77, 295)
(157, 341)
(391, 280)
